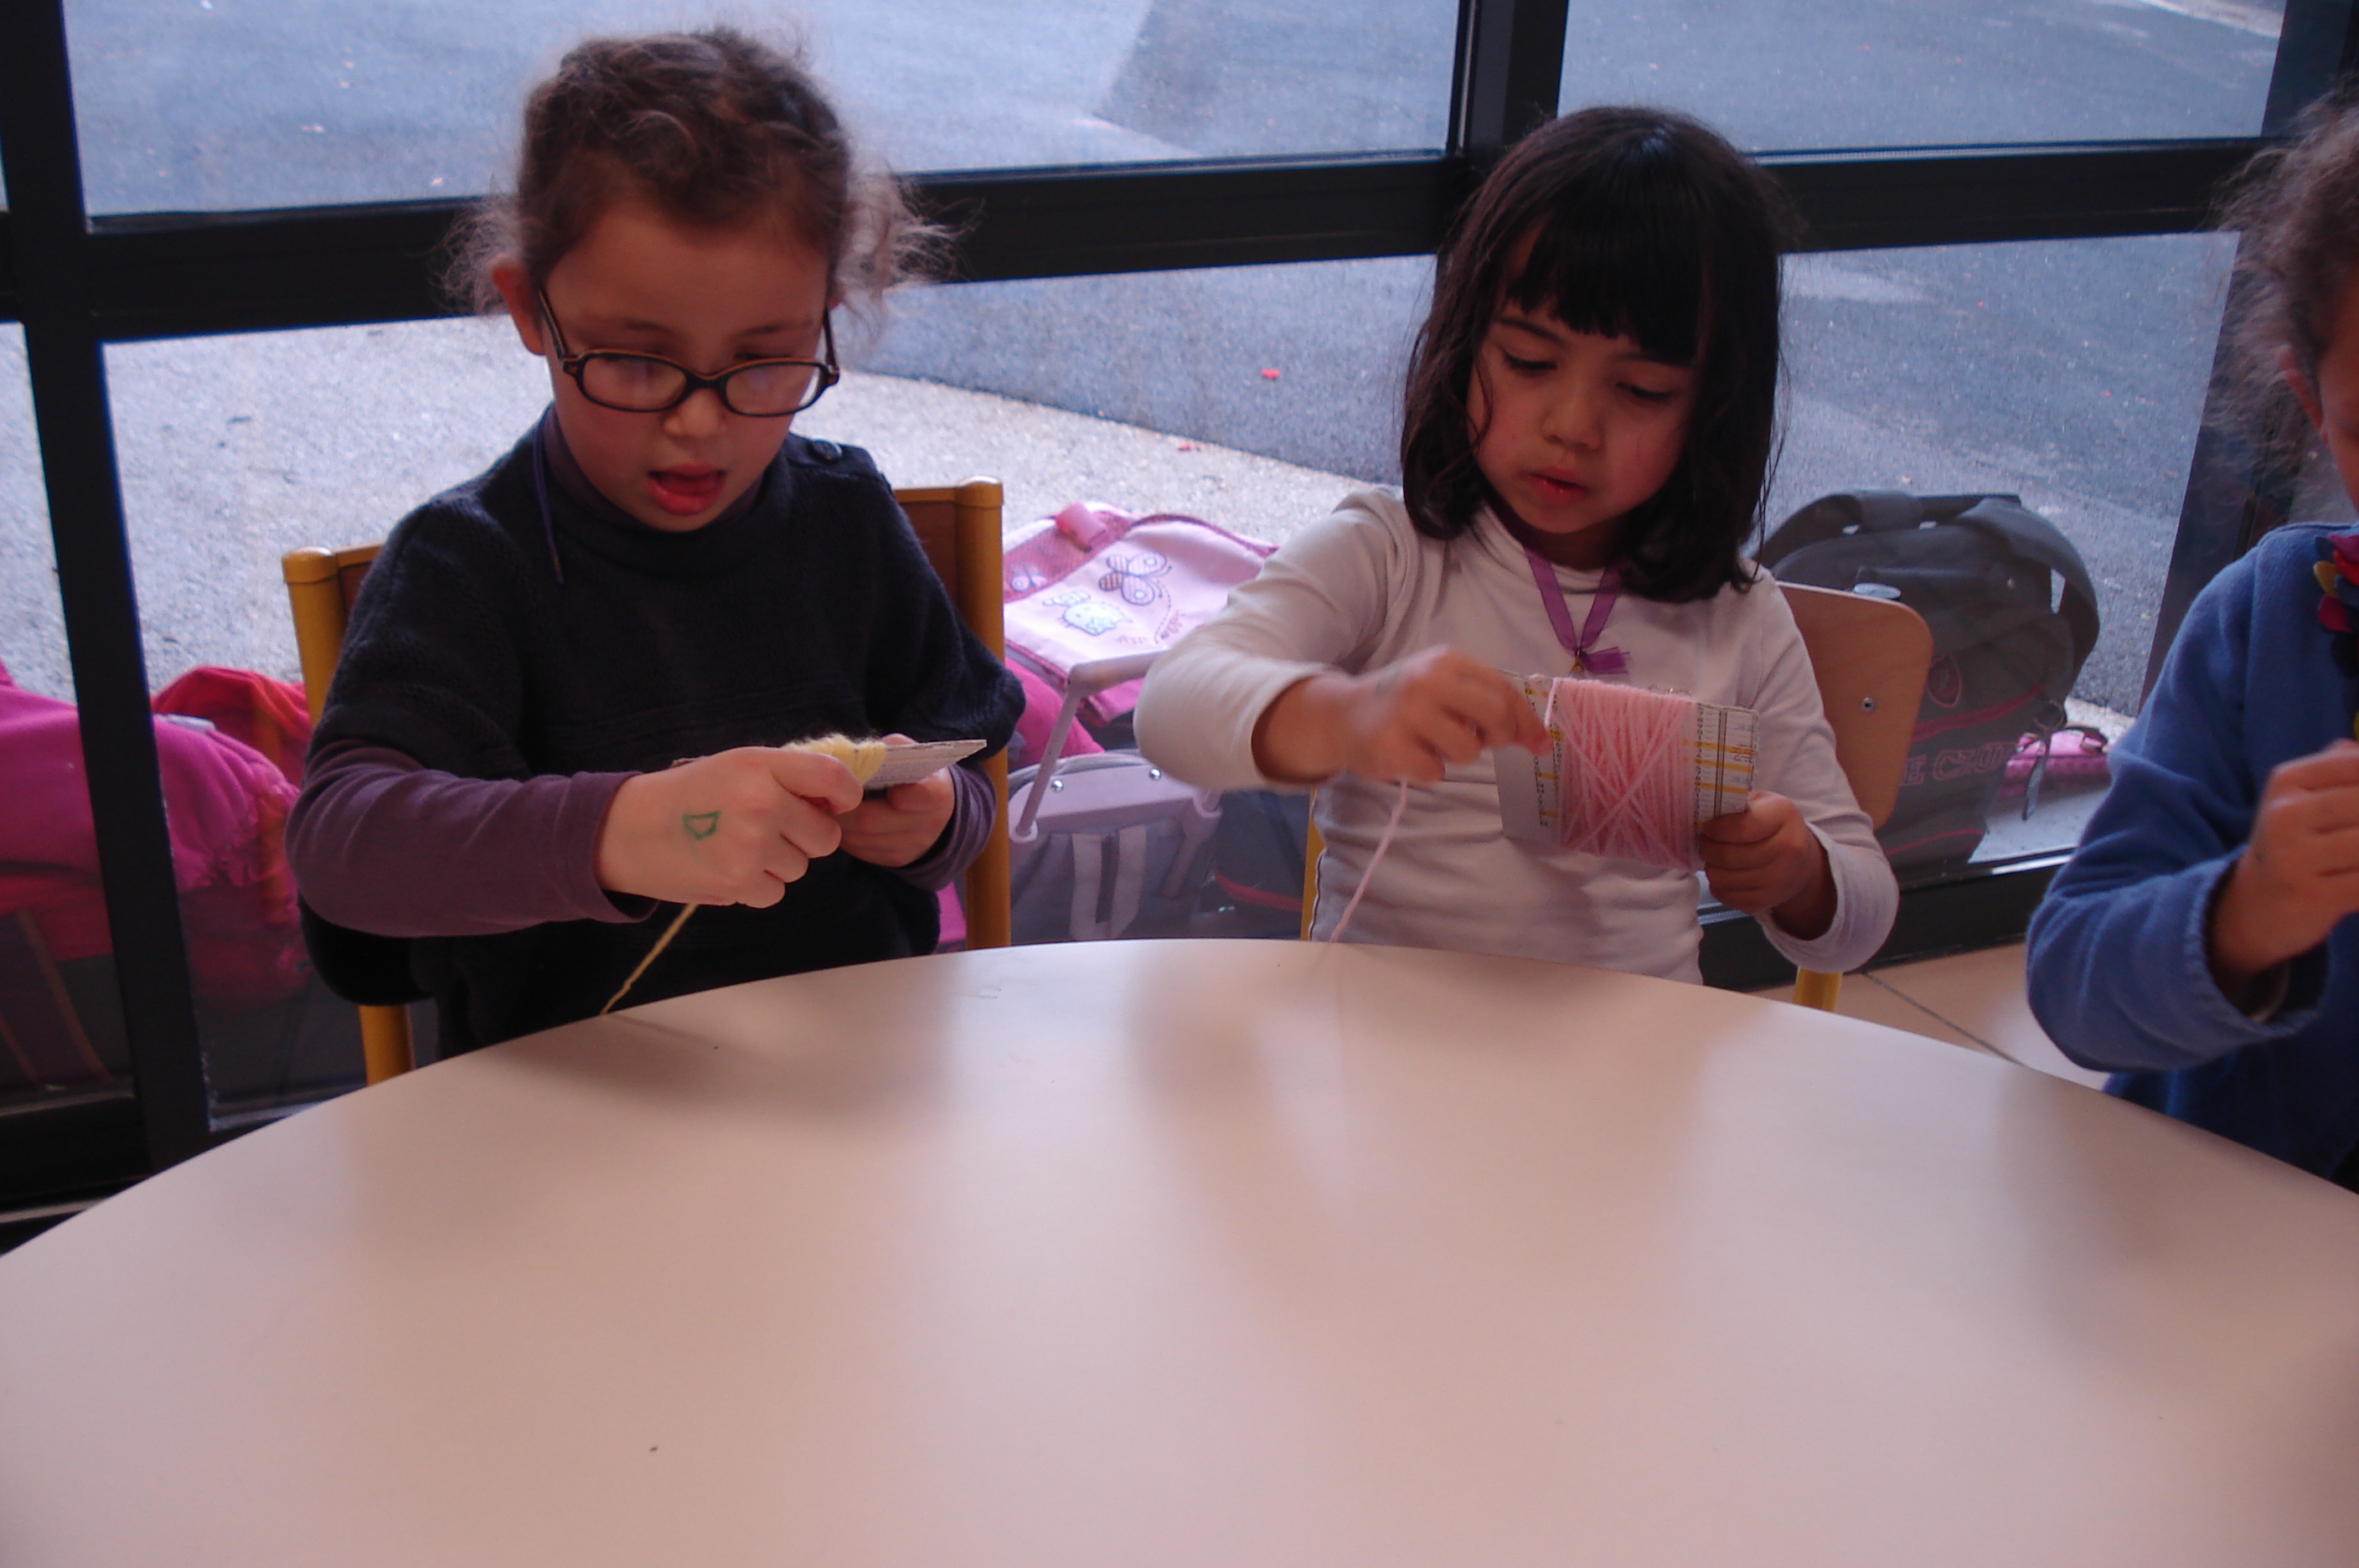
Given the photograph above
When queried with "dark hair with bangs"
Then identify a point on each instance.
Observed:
(1640, 222)
(715, 130)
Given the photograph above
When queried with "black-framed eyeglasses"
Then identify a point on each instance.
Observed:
(650, 384)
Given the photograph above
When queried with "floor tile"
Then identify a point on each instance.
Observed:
(1981, 995)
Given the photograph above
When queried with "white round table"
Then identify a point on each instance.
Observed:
(1196, 1255)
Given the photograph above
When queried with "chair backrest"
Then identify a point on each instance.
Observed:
(957, 525)
(1870, 656)
(321, 587)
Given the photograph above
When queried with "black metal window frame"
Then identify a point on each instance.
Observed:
(77, 283)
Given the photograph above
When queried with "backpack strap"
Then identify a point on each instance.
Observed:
(2036, 539)
(1863, 512)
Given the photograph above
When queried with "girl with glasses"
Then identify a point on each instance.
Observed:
(565, 682)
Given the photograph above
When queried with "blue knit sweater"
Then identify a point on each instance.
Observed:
(2118, 976)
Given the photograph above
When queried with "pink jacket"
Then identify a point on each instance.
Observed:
(226, 806)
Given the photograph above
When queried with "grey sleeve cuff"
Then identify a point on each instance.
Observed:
(972, 807)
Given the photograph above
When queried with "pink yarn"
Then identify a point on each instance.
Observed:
(1384, 843)
(1628, 778)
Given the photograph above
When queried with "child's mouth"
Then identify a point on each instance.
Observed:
(1559, 491)
(685, 490)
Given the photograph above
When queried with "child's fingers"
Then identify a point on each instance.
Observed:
(2312, 811)
(1470, 692)
(811, 777)
(2300, 857)
(799, 832)
(1404, 755)
(1750, 893)
(1489, 705)
(807, 829)
(1530, 734)
(1748, 826)
(2335, 768)
(1740, 856)
(1766, 816)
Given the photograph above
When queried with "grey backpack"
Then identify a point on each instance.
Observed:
(2014, 616)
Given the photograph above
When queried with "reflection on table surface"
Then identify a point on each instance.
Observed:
(1246, 1253)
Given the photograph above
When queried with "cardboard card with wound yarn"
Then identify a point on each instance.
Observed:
(882, 764)
(1713, 760)
(918, 759)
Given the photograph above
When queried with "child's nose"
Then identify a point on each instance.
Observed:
(701, 414)
(1576, 420)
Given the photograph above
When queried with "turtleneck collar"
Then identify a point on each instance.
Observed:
(582, 514)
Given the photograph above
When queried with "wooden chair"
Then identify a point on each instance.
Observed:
(958, 524)
(321, 587)
(1870, 656)
(44, 1043)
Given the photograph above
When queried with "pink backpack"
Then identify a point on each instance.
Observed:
(1096, 581)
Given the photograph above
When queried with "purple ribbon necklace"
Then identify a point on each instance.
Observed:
(1588, 659)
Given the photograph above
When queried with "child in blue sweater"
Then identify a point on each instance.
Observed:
(2199, 942)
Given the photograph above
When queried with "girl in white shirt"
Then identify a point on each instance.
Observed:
(1590, 419)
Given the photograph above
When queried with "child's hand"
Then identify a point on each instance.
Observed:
(732, 828)
(1765, 858)
(901, 825)
(2300, 873)
(1408, 720)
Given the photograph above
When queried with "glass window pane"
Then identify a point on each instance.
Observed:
(207, 104)
(1869, 74)
(2070, 374)
(1300, 362)
(234, 451)
(60, 1015)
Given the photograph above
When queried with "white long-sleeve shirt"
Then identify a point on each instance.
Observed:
(1361, 589)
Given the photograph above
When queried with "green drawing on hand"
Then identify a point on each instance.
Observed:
(702, 824)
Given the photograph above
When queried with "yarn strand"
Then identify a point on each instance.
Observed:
(1627, 779)
(662, 942)
(1400, 801)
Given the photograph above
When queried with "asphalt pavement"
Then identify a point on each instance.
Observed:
(2069, 372)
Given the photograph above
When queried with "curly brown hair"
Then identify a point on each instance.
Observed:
(2298, 206)
(715, 130)
(1627, 222)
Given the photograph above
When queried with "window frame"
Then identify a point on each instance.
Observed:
(78, 284)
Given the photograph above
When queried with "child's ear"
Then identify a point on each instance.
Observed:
(524, 308)
(2291, 369)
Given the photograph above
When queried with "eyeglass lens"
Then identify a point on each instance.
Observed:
(635, 381)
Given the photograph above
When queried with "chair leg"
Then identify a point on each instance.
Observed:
(1812, 989)
(385, 1042)
(989, 920)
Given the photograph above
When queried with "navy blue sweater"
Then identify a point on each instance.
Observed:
(2118, 972)
(812, 610)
